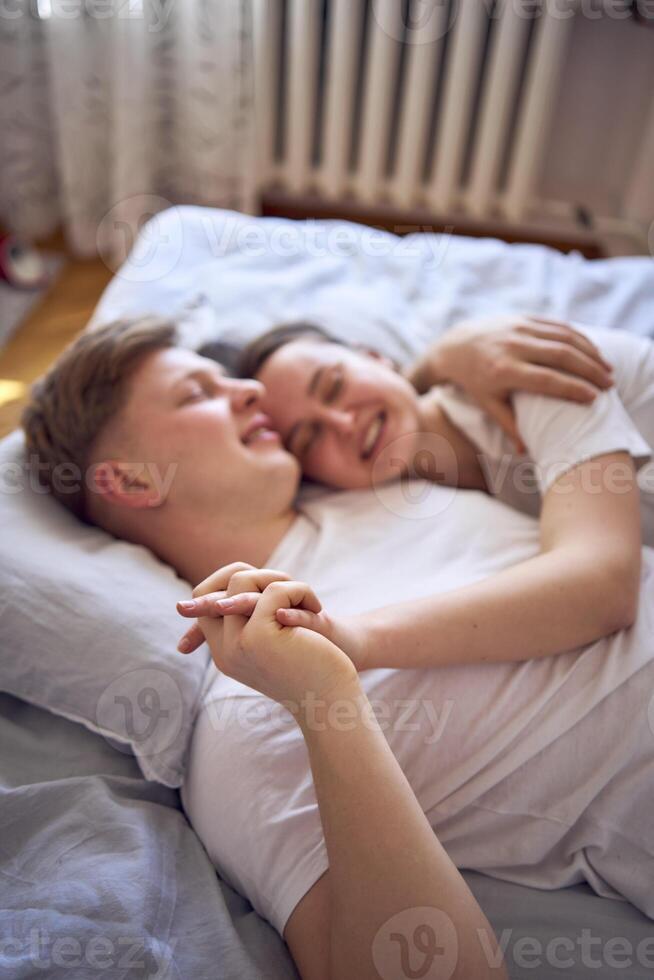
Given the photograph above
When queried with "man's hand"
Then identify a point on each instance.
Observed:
(491, 357)
(283, 661)
(349, 634)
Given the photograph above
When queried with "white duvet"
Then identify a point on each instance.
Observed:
(233, 276)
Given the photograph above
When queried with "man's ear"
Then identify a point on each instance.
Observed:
(376, 356)
(124, 484)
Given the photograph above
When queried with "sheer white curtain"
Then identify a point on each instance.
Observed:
(113, 109)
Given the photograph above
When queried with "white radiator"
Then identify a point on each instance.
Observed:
(441, 105)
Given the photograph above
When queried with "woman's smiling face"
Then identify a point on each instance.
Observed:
(337, 409)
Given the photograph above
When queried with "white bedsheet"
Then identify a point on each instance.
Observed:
(232, 276)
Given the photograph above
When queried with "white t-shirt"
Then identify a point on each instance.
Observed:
(523, 769)
(573, 433)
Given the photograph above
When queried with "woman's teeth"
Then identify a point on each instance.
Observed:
(262, 432)
(372, 435)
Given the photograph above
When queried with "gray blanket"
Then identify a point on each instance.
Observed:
(102, 876)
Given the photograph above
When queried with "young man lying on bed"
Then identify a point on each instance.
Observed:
(320, 814)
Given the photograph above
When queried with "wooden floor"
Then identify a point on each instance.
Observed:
(58, 317)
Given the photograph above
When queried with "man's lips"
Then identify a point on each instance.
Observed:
(259, 429)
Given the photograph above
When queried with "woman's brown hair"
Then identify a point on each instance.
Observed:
(253, 357)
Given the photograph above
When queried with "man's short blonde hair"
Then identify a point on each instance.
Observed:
(80, 394)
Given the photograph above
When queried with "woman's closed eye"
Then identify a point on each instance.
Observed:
(334, 385)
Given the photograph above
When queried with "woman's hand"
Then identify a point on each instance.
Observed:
(284, 662)
(349, 635)
(491, 357)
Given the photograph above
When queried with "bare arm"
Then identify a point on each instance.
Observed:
(384, 858)
(390, 883)
(581, 586)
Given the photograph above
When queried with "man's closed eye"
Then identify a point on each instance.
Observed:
(197, 391)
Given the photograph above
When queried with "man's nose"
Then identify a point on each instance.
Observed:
(245, 393)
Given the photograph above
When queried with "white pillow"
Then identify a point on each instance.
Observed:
(88, 627)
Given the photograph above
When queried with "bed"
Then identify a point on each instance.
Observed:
(101, 872)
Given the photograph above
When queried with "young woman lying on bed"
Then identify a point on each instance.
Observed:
(354, 421)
